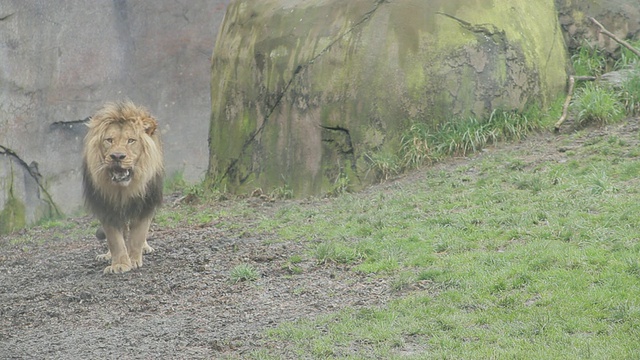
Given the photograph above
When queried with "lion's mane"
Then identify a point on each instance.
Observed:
(114, 204)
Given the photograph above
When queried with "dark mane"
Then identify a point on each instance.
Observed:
(118, 215)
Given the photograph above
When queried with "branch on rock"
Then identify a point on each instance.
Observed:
(567, 101)
(615, 38)
(32, 169)
(486, 29)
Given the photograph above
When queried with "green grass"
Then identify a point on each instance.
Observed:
(515, 258)
(630, 94)
(424, 144)
(589, 61)
(597, 104)
(243, 272)
(627, 58)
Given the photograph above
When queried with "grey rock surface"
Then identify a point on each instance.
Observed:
(621, 17)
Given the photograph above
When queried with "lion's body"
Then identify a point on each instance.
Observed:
(122, 179)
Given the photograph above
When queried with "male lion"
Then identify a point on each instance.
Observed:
(122, 173)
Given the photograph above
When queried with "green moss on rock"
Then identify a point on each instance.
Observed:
(284, 72)
(12, 216)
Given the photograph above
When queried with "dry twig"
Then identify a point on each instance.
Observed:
(615, 38)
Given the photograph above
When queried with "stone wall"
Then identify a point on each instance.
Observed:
(60, 60)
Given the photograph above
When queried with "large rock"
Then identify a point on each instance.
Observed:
(303, 91)
(60, 60)
(621, 17)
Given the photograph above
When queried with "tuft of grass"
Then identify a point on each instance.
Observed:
(333, 252)
(627, 58)
(243, 272)
(283, 192)
(597, 104)
(341, 185)
(630, 94)
(415, 146)
(175, 182)
(461, 137)
(425, 144)
(385, 165)
(589, 61)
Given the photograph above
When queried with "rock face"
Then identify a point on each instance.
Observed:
(621, 17)
(303, 92)
(61, 60)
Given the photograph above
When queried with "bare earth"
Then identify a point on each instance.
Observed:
(55, 303)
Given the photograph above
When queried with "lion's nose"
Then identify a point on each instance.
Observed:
(118, 156)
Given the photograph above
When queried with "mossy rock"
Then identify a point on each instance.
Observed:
(23, 199)
(303, 91)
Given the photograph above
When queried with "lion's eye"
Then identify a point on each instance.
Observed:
(108, 140)
(131, 141)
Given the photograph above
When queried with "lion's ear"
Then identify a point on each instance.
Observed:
(150, 125)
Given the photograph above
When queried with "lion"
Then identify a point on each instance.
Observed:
(122, 177)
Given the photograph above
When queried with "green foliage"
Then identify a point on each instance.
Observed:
(387, 165)
(597, 104)
(283, 192)
(12, 216)
(292, 265)
(463, 136)
(415, 147)
(628, 59)
(332, 252)
(243, 272)
(340, 186)
(174, 182)
(589, 61)
(630, 94)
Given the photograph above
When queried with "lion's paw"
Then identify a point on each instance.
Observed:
(117, 269)
(146, 249)
(104, 257)
(136, 262)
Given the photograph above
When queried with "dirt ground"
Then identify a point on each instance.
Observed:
(55, 303)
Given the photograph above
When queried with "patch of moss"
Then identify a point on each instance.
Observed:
(12, 216)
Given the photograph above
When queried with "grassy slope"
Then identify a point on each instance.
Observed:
(524, 252)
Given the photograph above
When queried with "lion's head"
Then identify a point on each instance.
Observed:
(122, 152)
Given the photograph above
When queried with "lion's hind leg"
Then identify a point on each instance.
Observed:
(137, 244)
(101, 235)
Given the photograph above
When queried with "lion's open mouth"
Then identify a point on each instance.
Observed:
(120, 175)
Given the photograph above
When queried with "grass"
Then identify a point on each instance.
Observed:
(243, 272)
(630, 94)
(627, 58)
(517, 258)
(424, 144)
(598, 104)
(590, 61)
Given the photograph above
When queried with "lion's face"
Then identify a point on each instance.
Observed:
(120, 150)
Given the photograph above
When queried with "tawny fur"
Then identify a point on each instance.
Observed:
(122, 179)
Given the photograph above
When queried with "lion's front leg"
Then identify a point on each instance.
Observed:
(137, 243)
(117, 249)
